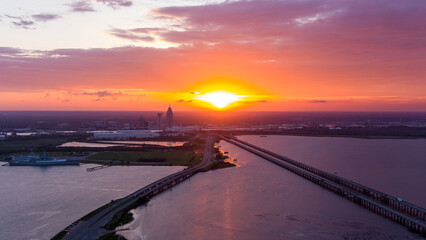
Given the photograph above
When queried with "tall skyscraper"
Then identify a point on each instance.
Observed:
(169, 117)
(159, 120)
(141, 122)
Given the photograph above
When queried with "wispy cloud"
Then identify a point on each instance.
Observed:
(10, 51)
(81, 6)
(117, 3)
(103, 93)
(108, 93)
(20, 21)
(45, 17)
(138, 34)
(317, 101)
(99, 94)
(23, 23)
(29, 22)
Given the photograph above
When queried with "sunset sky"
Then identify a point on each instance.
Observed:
(271, 55)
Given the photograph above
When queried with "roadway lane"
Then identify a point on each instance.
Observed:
(393, 202)
(92, 229)
(369, 203)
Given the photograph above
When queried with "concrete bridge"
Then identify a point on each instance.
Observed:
(92, 228)
(398, 210)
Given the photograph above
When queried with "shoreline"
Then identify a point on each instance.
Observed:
(109, 217)
(260, 133)
(335, 136)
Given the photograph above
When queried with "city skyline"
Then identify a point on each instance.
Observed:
(212, 119)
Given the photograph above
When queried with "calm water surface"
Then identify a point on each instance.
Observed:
(393, 166)
(38, 202)
(158, 143)
(259, 200)
(121, 143)
(85, 144)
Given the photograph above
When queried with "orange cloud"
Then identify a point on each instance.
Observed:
(290, 55)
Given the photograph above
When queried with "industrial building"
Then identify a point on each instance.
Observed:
(127, 134)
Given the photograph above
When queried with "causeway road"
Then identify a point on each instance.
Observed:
(92, 228)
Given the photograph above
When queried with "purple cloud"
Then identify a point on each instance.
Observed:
(117, 3)
(353, 48)
(10, 51)
(146, 30)
(20, 21)
(45, 17)
(101, 94)
(308, 24)
(133, 34)
(317, 101)
(81, 6)
(23, 23)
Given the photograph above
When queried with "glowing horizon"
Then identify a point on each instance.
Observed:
(220, 99)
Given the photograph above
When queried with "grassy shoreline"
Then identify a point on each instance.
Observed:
(367, 132)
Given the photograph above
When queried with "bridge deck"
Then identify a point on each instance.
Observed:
(91, 229)
(400, 211)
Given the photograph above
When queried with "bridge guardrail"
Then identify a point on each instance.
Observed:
(394, 202)
(410, 222)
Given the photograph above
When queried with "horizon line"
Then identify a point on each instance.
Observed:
(205, 111)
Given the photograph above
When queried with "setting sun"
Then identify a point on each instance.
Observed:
(220, 99)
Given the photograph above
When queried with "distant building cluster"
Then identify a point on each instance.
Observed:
(169, 119)
(142, 123)
(148, 129)
(125, 125)
(127, 134)
(112, 129)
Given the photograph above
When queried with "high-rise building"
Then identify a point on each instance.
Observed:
(141, 122)
(159, 120)
(169, 117)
